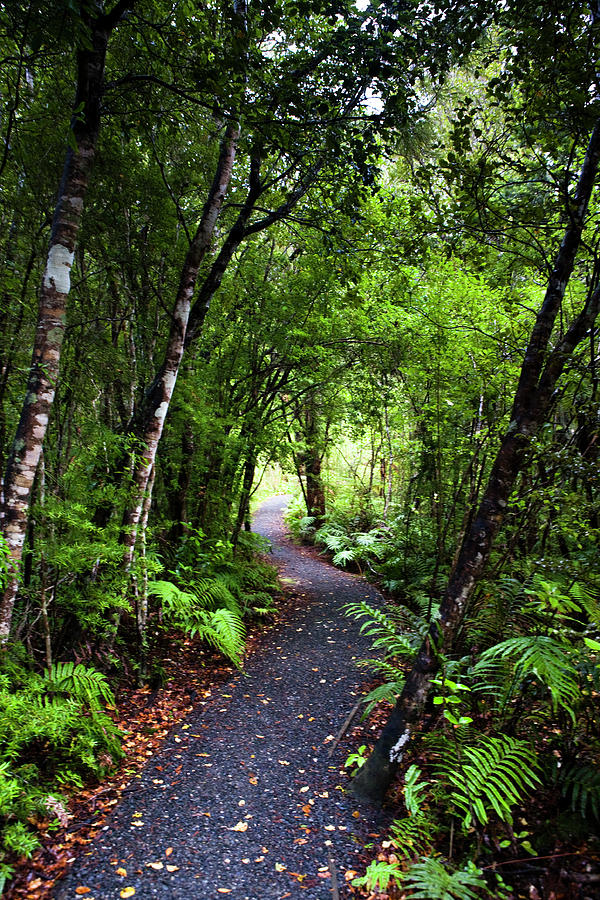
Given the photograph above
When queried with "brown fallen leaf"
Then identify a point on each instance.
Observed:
(253, 780)
(168, 851)
(82, 889)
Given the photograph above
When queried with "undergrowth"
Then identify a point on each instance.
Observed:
(55, 734)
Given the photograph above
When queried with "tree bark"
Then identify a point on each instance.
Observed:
(159, 395)
(539, 374)
(43, 374)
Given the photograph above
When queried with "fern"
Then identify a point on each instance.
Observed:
(82, 682)
(543, 658)
(428, 879)
(224, 630)
(383, 693)
(378, 876)
(581, 784)
(412, 836)
(413, 789)
(381, 629)
(492, 776)
(212, 593)
(344, 556)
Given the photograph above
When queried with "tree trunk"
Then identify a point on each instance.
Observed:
(160, 392)
(43, 374)
(539, 374)
(244, 502)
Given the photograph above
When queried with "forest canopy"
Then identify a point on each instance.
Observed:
(346, 250)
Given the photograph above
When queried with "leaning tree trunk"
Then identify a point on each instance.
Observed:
(160, 392)
(43, 374)
(533, 397)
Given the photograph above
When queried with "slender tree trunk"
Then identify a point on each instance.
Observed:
(159, 395)
(539, 374)
(244, 503)
(43, 374)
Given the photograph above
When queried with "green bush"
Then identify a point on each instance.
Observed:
(54, 731)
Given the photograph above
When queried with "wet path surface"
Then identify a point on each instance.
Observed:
(244, 798)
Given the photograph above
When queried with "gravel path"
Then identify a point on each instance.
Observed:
(245, 791)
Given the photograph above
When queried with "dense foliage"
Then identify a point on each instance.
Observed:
(354, 245)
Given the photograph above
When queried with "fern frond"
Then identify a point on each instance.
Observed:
(381, 629)
(225, 631)
(413, 788)
(428, 879)
(544, 658)
(80, 681)
(581, 784)
(388, 692)
(492, 776)
(412, 836)
(344, 556)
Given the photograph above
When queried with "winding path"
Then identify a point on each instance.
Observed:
(247, 792)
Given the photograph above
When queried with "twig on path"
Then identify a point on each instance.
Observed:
(344, 727)
(335, 891)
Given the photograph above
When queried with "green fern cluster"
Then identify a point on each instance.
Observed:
(490, 776)
(53, 731)
(384, 630)
(510, 666)
(207, 609)
(358, 547)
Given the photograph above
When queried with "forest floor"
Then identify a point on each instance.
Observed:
(246, 795)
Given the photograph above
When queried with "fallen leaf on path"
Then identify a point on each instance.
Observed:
(306, 810)
(350, 874)
(253, 780)
(224, 890)
(168, 851)
(82, 890)
(241, 826)
(259, 859)
(172, 868)
(127, 892)
(283, 762)
(154, 865)
(303, 790)
(279, 867)
(121, 871)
